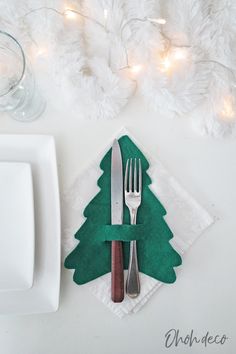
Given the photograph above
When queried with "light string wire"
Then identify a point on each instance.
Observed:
(64, 13)
(168, 42)
(143, 20)
(104, 27)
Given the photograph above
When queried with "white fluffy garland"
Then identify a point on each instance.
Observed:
(187, 65)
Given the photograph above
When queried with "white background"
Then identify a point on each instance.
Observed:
(203, 298)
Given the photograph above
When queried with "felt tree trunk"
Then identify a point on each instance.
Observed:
(92, 256)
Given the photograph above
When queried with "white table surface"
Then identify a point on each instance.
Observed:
(203, 298)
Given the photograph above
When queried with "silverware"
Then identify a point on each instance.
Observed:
(133, 190)
(117, 269)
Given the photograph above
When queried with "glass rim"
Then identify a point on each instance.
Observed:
(23, 63)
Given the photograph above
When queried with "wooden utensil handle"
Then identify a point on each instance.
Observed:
(117, 272)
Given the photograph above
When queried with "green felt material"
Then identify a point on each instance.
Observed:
(92, 256)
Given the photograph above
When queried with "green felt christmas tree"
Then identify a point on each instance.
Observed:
(92, 256)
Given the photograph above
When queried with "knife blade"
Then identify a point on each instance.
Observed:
(117, 269)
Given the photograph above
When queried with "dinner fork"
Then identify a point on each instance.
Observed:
(133, 190)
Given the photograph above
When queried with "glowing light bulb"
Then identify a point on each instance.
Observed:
(228, 112)
(179, 54)
(41, 52)
(166, 64)
(105, 14)
(38, 52)
(135, 69)
(70, 14)
(160, 21)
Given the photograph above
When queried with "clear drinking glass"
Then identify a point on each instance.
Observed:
(18, 92)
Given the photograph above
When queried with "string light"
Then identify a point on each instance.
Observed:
(179, 54)
(165, 65)
(227, 112)
(160, 21)
(171, 59)
(37, 52)
(41, 52)
(172, 55)
(105, 14)
(70, 14)
(135, 69)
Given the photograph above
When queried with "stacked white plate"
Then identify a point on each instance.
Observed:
(16, 226)
(29, 225)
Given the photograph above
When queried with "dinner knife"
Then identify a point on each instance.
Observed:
(117, 269)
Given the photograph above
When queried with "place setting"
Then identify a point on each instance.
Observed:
(130, 233)
(126, 222)
(117, 176)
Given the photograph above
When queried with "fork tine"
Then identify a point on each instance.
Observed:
(126, 175)
(140, 177)
(135, 176)
(131, 176)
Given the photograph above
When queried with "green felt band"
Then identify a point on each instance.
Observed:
(123, 232)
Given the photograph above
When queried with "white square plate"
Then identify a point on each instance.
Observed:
(39, 151)
(16, 226)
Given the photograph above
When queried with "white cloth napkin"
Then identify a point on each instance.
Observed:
(185, 217)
